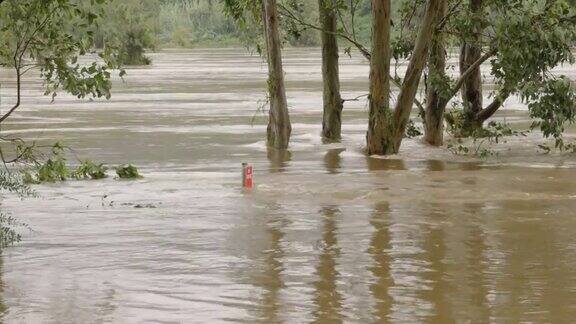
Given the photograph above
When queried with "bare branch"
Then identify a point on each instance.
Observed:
(18, 94)
(470, 70)
(289, 14)
(356, 98)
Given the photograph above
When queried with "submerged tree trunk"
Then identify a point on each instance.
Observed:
(333, 104)
(380, 123)
(279, 127)
(435, 101)
(472, 88)
(414, 72)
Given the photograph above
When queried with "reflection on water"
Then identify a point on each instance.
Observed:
(380, 249)
(279, 159)
(271, 278)
(333, 161)
(378, 164)
(476, 263)
(327, 235)
(328, 299)
(434, 254)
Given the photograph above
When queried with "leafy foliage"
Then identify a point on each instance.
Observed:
(531, 38)
(90, 170)
(55, 168)
(9, 225)
(494, 133)
(553, 105)
(52, 170)
(192, 23)
(10, 182)
(8, 231)
(49, 36)
(130, 26)
(128, 172)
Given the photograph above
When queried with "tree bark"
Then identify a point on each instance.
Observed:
(279, 127)
(491, 109)
(333, 104)
(414, 72)
(470, 53)
(435, 102)
(380, 127)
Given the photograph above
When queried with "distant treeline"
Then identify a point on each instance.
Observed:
(157, 24)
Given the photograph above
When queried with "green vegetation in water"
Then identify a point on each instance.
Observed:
(55, 168)
(52, 170)
(90, 170)
(128, 172)
(482, 137)
(8, 224)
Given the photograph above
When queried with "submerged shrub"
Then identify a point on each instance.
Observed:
(494, 133)
(52, 170)
(55, 169)
(90, 170)
(127, 172)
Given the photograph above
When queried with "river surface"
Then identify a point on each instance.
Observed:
(328, 235)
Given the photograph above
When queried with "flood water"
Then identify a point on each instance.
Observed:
(328, 235)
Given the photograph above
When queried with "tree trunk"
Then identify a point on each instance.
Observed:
(414, 72)
(435, 102)
(279, 127)
(380, 117)
(491, 109)
(333, 104)
(470, 53)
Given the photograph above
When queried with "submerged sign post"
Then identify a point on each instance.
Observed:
(247, 176)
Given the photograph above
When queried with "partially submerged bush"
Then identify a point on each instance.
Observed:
(90, 170)
(55, 168)
(128, 172)
(494, 133)
(52, 170)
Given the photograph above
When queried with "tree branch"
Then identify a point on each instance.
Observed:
(19, 53)
(289, 14)
(451, 12)
(487, 112)
(18, 94)
(470, 70)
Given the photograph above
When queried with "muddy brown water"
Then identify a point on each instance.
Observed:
(328, 235)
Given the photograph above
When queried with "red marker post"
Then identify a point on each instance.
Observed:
(247, 176)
